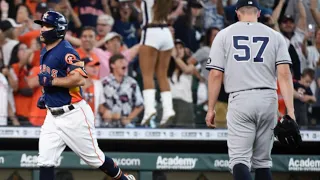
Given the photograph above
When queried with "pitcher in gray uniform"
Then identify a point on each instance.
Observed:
(249, 57)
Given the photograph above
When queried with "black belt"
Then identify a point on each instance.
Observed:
(263, 88)
(60, 111)
(155, 26)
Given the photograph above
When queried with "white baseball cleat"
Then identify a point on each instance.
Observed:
(129, 177)
(147, 117)
(167, 115)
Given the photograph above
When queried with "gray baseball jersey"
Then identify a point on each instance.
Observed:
(248, 53)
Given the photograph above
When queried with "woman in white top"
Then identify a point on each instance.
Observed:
(180, 77)
(154, 57)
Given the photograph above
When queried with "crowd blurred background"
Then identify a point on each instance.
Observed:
(106, 34)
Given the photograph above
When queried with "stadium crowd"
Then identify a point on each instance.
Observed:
(106, 34)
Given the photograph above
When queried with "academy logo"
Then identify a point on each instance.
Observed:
(32, 160)
(304, 164)
(176, 163)
(221, 163)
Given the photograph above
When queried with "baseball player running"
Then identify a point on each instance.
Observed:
(69, 120)
(249, 57)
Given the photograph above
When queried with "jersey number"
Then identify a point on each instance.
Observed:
(246, 48)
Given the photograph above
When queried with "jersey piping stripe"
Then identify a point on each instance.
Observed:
(283, 62)
(145, 23)
(91, 135)
(208, 67)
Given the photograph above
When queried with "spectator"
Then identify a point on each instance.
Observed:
(294, 10)
(185, 26)
(316, 106)
(12, 85)
(4, 90)
(85, 51)
(294, 35)
(24, 18)
(104, 26)
(126, 28)
(93, 90)
(213, 14)
(36, 116)
(180, 78)
(303, 97)
(40, 9)
(123, 96)
(89, 10)
(113, 46)
(65, 8)
(201, 55)
(23, 96)
(8, 28)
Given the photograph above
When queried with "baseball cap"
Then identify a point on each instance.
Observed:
(178, 41)
(8, 24)
(195, 3)
(286, 17)
(112, 35)
(42, 7)
(242, 3)
(90, 62)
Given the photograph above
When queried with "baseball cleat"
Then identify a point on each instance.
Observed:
(129, 177)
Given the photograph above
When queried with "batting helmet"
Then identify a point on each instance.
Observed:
(57, 21)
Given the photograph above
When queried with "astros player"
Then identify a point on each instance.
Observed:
(69, 119)
(249, 57)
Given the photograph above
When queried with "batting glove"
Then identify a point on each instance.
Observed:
(45, 79)
(41, 103)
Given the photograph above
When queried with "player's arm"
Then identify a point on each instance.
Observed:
(74, 79)
(286, 87)
(215, 64)
(215, 78)
(283, 61)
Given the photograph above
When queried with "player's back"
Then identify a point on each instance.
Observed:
(251, 52)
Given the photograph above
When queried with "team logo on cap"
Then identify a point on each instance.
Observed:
(250, 2)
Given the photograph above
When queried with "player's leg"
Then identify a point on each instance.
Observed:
(147, 60)
(79, 134)
(241, 135)
(162, 66)
(50, 148)
(261, 158)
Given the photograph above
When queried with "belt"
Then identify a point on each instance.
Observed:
(155, 26)
(61, 110)
(263, 88)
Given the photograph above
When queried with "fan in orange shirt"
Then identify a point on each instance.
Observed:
(88, 41)
(19, 60)
(37, 115)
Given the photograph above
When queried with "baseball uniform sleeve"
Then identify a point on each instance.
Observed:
(283, 56)
(216, 58)
(73, 62)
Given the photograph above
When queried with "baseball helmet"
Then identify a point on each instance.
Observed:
(57, 21)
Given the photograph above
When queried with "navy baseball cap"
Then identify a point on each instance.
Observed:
(242, 3)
